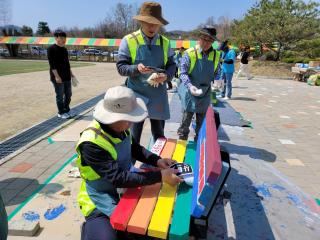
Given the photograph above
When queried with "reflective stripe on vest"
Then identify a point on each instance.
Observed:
(135, 39)
(194, 54)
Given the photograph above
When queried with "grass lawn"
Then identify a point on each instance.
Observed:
(23, 66)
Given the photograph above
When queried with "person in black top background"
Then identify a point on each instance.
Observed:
(244, 63)
(60, 74)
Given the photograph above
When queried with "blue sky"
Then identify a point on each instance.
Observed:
(182, 14)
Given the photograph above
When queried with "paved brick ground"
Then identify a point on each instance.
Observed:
(285, 135)
(285, 115)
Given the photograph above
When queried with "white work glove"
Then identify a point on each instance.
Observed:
(151, 80)
(74, 81)
(195, 91)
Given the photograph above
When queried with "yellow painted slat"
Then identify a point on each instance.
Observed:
(104, 42)
(84, 41)
(160, 221)
(186, 44)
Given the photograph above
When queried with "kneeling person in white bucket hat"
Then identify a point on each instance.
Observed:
(106, 152)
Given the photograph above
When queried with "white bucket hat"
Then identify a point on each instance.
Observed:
(120, 104)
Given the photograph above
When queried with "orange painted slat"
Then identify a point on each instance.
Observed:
(121, 215)
(142, 214)
(170, 147)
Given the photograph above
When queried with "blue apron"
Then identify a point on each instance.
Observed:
(200, 77)
(102, 193)
(156, 99)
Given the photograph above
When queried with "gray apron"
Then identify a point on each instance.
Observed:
(200, 77)
(156, 99)
(102, 193)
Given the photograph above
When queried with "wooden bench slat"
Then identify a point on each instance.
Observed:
(179, 228)
(213, 158)
(142, 214)
(129, 200)
(125, 207)
(161, 217)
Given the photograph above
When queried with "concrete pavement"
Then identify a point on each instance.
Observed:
(268, 162)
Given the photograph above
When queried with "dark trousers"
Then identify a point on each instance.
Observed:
(183, 130)
(157, 129)
(3, 221)
(63, 96)
(97, 227)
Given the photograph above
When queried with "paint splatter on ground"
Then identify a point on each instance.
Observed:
(278, 187)
(31, 216)
(262, 190)
(294, 199)
(55, 212)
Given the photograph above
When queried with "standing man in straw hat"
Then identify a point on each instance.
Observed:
(105, 159)
(197, 70)
(138, 52)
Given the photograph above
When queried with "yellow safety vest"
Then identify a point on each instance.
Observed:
(135, 40)
(96, 135)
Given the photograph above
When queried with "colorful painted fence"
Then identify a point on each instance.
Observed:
(98, 42)
(94, 42)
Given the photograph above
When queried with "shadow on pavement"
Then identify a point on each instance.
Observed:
(244, 99)
(17, 190)
(240, 213)
(254, 153)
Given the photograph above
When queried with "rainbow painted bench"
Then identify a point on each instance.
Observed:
(167, 212)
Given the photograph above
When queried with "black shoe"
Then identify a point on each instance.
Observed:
(183, 138)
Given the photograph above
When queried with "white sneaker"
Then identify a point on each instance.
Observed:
(227, 98)
(64, 116)
(71, 114)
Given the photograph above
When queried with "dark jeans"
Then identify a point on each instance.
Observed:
(183, 130)
(3, 221)
(63, 96)
(97, 227)
(157, 129)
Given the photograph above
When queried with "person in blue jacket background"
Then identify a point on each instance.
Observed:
(228, 60)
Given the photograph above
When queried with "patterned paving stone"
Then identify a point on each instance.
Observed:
(303, 113)
(289, 125)
(295, 162)
(286, 141)
(21, 167)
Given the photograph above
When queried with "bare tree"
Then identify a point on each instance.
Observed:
(119, 22)
(224, 28)
(209, 22)
(5, 12)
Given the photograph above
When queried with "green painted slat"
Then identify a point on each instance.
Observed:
(193, 43)
(71, 41)
(215, 45)
(180, 223)
(111, 42)
(318, 201)
(91, 41)
(31, 40)
(51, 40)
(173, 44)
(12, 40)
